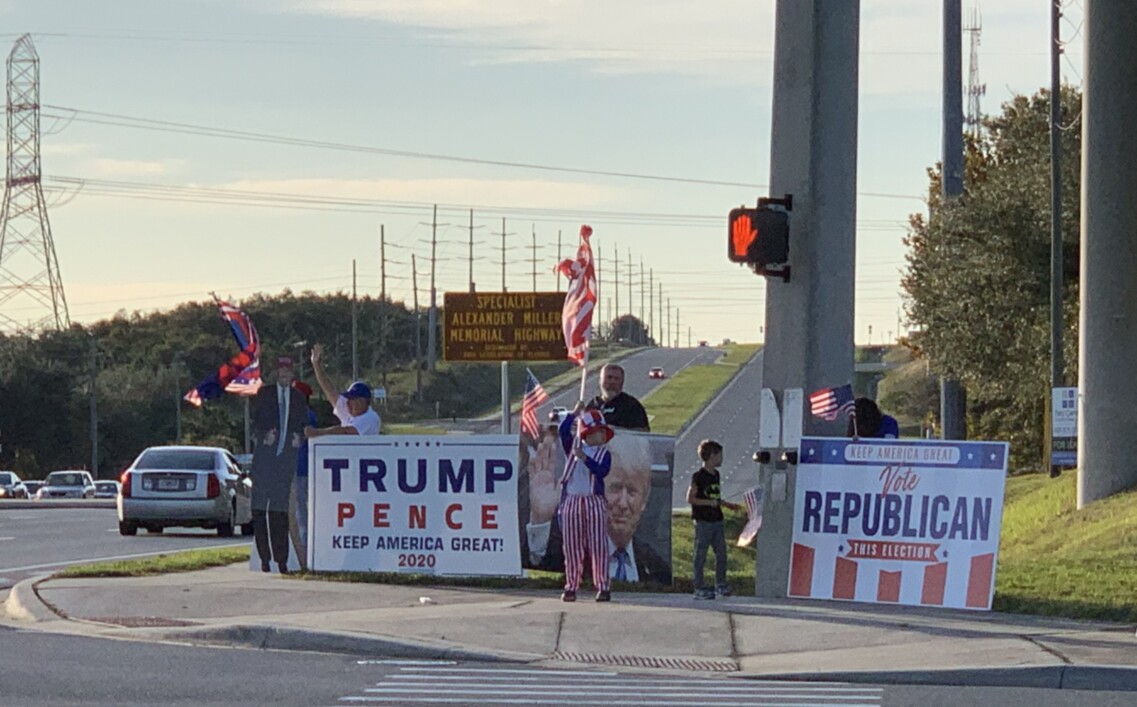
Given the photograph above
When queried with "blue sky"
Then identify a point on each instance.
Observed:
(664, 88)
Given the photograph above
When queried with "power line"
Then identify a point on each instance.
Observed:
(126, 121)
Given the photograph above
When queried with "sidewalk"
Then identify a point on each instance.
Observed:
(743, 637)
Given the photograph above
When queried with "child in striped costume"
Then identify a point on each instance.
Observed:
(583, 511)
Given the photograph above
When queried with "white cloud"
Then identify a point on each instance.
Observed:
(728, 41)
(67, 149)
(108, 167)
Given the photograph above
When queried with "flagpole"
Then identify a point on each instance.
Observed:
(584, 372)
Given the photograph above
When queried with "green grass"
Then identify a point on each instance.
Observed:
(408, 428)
(675, 402)
(1058, 561)
(184, 561)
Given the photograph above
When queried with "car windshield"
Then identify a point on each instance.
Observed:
(7, 477)
(105, 486)
(188, 459)
(64, 478)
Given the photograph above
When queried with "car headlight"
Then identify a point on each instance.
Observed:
(3, 493)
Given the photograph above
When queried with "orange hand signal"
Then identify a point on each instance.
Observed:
(743, 234)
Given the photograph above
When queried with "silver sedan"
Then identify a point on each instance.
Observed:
(197, 487)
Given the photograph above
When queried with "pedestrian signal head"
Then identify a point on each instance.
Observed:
(758, 237)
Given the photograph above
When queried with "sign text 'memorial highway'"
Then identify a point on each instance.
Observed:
(503, 326)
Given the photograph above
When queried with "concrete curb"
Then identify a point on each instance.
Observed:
(24, 604)
(267, 637)
(1097, 678)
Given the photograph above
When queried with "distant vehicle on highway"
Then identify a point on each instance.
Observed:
(195, 487)
(106, 489)
(11, 486)
(702, 343)
(560, 412)
(33, 486)
(73, 483)
(656, 372)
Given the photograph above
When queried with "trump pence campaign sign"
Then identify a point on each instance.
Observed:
(911, 522)
(418, 504)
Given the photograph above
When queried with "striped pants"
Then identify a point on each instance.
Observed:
(584, 526)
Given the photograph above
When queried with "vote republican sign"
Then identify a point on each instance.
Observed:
(417, 504)
(911, 522)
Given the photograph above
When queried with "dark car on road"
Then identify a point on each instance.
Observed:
(11, 486)
(106, 489)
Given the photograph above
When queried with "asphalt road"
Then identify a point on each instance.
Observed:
(56, 670)
(732, 420)
(44, 539)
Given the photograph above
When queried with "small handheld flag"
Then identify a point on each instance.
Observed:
(753, 500)
(534, 396)
(828, 403)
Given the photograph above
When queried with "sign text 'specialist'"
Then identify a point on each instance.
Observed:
(503, 326)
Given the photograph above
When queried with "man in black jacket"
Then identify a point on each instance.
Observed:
(619, 408)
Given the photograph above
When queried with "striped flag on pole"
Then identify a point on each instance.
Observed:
(580, 299)
(828, 403)
(753, 500)
(241, 374)
(534, 396)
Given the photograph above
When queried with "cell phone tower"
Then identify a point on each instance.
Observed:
(975, 90)
(31, 290)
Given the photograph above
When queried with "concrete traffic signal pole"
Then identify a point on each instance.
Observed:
(813, 156)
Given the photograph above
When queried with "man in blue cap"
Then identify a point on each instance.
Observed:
(352, 406)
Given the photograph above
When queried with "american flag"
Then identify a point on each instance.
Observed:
(241, 374)
(828, 403)
(534, 396)
(580, 299)
(753, 500)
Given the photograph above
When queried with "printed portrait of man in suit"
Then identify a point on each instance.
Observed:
(638, 551)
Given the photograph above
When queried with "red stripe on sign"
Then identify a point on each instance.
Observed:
(845, 579)
(979, 581)
(801, 571)
(888, 586)
(935, 578)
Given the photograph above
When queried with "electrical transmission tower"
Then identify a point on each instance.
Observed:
(31, 290)
(975, 90)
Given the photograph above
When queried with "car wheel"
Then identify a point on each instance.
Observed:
(155, 529)
(127, 527)
(225, 530)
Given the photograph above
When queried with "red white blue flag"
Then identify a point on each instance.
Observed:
(580, 299)
(535, 395)
(241, 374)
(829, 403)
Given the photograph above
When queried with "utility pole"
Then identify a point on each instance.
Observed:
(94, 409)
(676, 327)
(633, 334)
(662, 339)
(432, 315)
(616, 277)
(652, 333)
(688, 336)
(470, 262)
(1108, 261)
(953, 398)
(533, 260)
(176, 370)
(668, 339)
(1057, 365)
(418, 330)
(643, 322)
(383, 304)
(354, 325)
(556, 275)
(503, 234)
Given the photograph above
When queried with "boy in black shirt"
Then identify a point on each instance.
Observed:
(706, 510)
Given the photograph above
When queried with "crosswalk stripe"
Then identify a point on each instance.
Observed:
(710, 683)
(607, 691)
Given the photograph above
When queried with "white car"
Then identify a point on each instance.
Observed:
(196, 487)
(67, 484)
